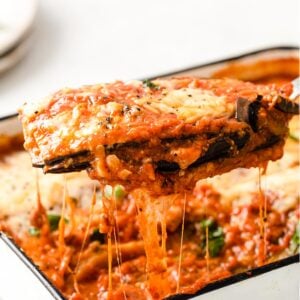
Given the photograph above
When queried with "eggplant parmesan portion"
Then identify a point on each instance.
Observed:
(166, 132)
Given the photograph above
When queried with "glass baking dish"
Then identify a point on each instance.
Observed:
(279, 279)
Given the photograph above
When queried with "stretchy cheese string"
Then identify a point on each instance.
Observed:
(38, 191)
(261, 196)
(63, 250)
(91, 213)
(109, 255)
(118, 251)
(109, 210)
(181, 245)
(164, 226)
(61, 224)
(149, 216)
(72, 220)
(65, 255)
(207, 250)
(265, 217)
(118, 256)
(41, 210)
(265, 226)
(262, 218)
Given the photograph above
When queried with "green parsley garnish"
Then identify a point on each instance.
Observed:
(295, 241)
(148, 83)
(33, 231)
(54, 220)
(119, 192)
(216, 237)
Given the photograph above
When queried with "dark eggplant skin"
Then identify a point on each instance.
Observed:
(240, 139)
(221, 147)
(287, 106)
(247, 111)
(38, 165)
(218, 148)
(74, 167)
(75, 156)
(272, 140)
(72, 163)
(167, 167)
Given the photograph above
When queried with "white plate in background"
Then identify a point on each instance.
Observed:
(16, 20)
(13, 56)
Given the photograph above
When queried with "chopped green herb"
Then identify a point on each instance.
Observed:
(119, 192)
(53, 220)
(108, 191)
(216, 237)
(216, 242)
(148, 83)
(33, 231)
(97, 236)
(295, 241)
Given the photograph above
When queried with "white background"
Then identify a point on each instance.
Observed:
(87, 41)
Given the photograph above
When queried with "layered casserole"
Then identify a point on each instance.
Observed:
(153, 231)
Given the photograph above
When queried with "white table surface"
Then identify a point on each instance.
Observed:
(88, 41)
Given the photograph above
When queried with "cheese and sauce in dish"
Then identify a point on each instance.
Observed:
(151, 223)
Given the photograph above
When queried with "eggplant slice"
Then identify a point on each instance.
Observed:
(72, 163)
(247, 111)
(174, 130)
(218, 147)
(287, 106)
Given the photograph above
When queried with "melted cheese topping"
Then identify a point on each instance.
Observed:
(190, 105)
(74, 120)
(29, 109)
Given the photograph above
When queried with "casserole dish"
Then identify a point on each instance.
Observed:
(270, 57)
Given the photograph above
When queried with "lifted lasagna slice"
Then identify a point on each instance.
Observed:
(163, 133)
